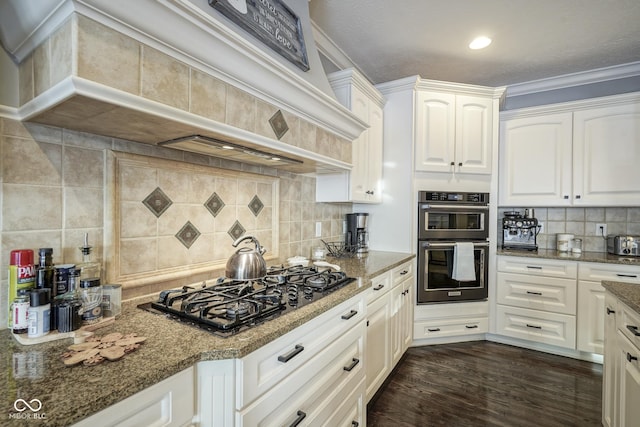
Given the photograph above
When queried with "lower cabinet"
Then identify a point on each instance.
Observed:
(436, 323)
(171, 402)
(610, 366)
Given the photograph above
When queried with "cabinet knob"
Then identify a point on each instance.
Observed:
(460, 164)
(565, 197)
(453, 163)
(609, 311)
(634, 330)
(631, 358)
(577, 196)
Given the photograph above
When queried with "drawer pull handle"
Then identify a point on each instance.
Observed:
(284, 358)
(354, 424)
(534, 293)
(433, 329)
(353, 364)
(350, 315)
(403, 272)
(632, 276)
(634, 330)
(471, 326)
(631, 358)
(534, 326)
(301, 416)
(377, 288)
(609, 311)
(534, 267)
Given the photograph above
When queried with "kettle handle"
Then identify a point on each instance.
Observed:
(241, 239)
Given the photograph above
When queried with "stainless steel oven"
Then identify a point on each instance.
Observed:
(445, 219)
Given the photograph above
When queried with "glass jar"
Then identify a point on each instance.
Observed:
(576, 248)
(91, 295)
(111, 300)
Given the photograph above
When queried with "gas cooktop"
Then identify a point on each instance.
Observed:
(229, 306)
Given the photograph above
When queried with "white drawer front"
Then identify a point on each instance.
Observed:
(537, 292)
(401, 273)
(629, 324)
(262, 369)
(380, 286)
(613, 272)
(538, 266)
(533, 325)
(450, 327)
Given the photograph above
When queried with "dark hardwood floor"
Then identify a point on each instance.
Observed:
(488, 384)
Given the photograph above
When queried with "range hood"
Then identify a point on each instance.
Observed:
(72, 55)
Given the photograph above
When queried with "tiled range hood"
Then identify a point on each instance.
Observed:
(159, 70)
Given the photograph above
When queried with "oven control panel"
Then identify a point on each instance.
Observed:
(461, 197)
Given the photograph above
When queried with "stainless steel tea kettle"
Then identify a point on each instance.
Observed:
(247, 263)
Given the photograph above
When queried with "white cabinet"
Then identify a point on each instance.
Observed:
(453, 132)
(538, 302)
(170, 402)
(610, 366)
(574, 154)
(363, 183)
(439, 323)
(402, 311)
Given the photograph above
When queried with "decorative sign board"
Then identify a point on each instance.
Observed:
(272, 22)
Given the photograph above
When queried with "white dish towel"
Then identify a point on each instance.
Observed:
(464, 269)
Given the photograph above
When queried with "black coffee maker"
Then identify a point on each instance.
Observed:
(357, 235)
(520, 231)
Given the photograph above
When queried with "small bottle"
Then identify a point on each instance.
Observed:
(91, 295)
(87, 267)
(20, 310)
(39, 313)
(45, 271)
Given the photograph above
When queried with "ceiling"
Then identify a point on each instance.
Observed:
(531, 39)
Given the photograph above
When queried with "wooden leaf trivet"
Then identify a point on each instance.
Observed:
(110, 347)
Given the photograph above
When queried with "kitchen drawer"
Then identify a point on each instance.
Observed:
(538, 267)
(262, 369)
(401, 273)
(629, 324)
(534, 325)
(613, 272)
(537, 292)
(346, 409)
(380, 286)
(338, 368)
(450, 327)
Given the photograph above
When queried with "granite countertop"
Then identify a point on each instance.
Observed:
(585, 256)
(628, 293)
(69, 394)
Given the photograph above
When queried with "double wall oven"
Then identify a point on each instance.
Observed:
(445, 219)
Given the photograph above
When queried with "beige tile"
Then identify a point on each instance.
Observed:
(83, 167)
(28, 207)
(241, 109)
(295, 231)
(265, 219)
(227, 189)
(138, 256)
(26, 161)
(136, 183)
(307, 137)
(202, 219)
(164, 79)
(42, 68)
(615, 215)
(176, 184)
(44, 133)
(295, 211)
(246, 191)
(225, 219)
(137, 221)
(83, 207)
(308, 211)
(208, 96)
(85, 140)
(26, 83)
(247, 219)
(292, 136)
(172, 253)
(108, 57)
(203, 186)
(202, 250)
(264, 111)
(285, 210)
(222, 247)
(61, 52)
(173, 219)
(265, 192)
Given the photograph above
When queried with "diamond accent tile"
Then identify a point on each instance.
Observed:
(236, 230)
(214, 204)
(256, 205)
(157, 202)
(278, 124)
(188, 234)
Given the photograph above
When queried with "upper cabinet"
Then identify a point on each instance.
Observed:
(576, 154)
(453, 132)
(363, 183)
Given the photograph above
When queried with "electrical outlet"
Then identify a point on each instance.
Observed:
(601, 230)
(318, 229)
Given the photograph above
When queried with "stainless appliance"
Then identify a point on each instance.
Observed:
(444, 219)
(247, 263)
(519, 231)
(623, 245)
(357, 232)
(227, 307)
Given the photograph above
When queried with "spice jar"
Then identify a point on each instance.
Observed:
(20, 312)
(91, 296)
(39, 312)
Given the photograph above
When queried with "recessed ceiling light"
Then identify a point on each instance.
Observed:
(480, 42)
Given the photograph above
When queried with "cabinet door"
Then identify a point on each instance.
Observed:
(610, 365)
(435, 131)
(360, 148)
(373, 158)
(378, 345)
(536, 161)
(407, 330)
(606, 156)
(591, 317)
(474, 134)
(629, 383)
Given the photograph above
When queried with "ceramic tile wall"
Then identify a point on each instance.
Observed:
(581, 222)
(54, 186)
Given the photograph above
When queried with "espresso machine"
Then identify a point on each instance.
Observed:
(357, 235)
(520, 231)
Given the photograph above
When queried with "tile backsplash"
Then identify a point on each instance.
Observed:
(581, 222)
(56, 187)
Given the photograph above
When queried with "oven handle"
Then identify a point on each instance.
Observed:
(456, 207)
(448, 244)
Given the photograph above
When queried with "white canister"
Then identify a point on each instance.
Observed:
(563, 242)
